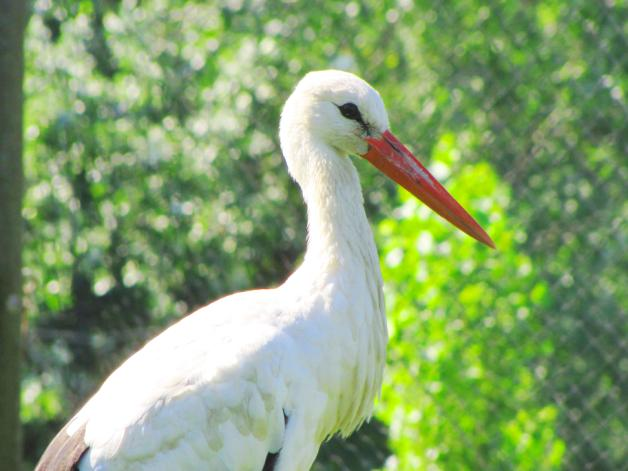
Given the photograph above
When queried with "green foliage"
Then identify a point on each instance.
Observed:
(464, 358)
(156, 184)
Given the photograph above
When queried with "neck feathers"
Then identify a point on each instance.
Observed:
(338, 230)
(341, 265)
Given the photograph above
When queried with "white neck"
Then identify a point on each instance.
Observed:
(341, 264)
(339, 235)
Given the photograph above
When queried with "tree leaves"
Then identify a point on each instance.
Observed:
(156, 184)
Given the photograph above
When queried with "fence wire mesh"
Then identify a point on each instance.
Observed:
(157, 185)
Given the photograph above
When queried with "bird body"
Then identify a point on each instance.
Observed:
(224, 379)
(259, 379)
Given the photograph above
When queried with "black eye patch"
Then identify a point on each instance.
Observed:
(350, 111)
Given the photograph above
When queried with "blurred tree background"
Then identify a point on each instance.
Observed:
(155, 184)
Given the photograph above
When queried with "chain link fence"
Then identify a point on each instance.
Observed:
(535, 89)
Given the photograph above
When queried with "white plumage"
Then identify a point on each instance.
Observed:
(259, 379)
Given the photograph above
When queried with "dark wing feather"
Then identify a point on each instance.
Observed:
(64, 452)
(271, 461)
(271, 458)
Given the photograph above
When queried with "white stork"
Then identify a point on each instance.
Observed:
(259, 379)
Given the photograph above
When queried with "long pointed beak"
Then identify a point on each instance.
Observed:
(397, 162)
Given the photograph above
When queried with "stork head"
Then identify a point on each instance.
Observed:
(338, 108)
(344, 112)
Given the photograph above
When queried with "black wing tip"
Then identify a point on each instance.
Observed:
(271, 458)
(64, 451)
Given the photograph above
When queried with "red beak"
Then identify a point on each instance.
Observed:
(392, 158)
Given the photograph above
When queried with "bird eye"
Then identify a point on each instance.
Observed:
(350, 111)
